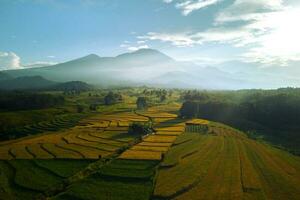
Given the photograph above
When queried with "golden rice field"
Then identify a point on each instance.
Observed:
(226, 165)
(181, 160)
(153, 146)
(141, 155)
(198, 121)
(94, 137)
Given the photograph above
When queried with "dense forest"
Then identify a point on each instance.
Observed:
(275, 113)
(12, 101)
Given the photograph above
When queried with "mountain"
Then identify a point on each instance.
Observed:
(144, 56)
(26, 82)
(36, 65)
(100, 70)
(151, 67)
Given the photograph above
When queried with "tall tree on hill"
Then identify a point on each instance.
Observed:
(142, 103)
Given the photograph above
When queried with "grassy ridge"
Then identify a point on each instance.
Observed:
(225, 164)
(25, 179)
(120, 179)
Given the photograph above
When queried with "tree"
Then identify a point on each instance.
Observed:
(80, 108)
(141, 103)
(140, 129)
(93, 107)
(112, 98)
(189, 109)
(163, 98)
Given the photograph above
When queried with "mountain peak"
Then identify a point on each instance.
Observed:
(146, 54)
(147, 50)
(91, 56)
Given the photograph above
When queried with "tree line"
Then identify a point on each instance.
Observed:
(12, 101)
(277, 109)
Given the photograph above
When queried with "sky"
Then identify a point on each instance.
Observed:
(264, 32)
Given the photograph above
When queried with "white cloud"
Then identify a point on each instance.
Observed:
(177, 39)
(189, 6)
(135, 48)
(269, 31)
(51, 56)
(9, 60)
(280, 42)
(247, 10)
(141, 42)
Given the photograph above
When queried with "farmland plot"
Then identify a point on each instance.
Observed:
(94, 137)
(224, 164)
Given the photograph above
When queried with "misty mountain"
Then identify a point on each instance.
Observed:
(126, 68)
(151, 67)
(35, 65)
(26, 82)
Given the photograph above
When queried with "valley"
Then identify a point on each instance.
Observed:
(182, 159)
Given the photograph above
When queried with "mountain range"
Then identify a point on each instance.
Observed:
(153, 68)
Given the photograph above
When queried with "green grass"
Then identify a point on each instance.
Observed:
(185, 144)
(120, 179)
(8, 188)
(97, 187)
(63, 168)
(130, 169)
(30, 176)
(25, 179)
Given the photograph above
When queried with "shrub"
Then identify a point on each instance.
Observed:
(140, 129)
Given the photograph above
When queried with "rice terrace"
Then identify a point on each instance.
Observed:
(149, 100)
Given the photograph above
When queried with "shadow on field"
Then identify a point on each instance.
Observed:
(170, 122)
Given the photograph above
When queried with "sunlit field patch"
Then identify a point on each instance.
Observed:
(197, 121)
(141, 155)
(160, 138)
(175, 133)
(171, 129)
(150, 148)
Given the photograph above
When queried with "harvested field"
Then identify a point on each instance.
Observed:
(141, 155)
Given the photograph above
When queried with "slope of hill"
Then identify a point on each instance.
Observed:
(4, 76)
(26, 82)
(208, 161)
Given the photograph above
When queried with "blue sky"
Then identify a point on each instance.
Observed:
(210, 31)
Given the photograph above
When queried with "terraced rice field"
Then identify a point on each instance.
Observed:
(94, 137)
(154, 146)
(226, 165)
(120, 179)
(61, 122)
(182, 159)
(26, 179)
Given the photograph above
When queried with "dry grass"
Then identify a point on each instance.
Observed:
(171, 129)
(141, 155)
(160, 139)
(150, 148)
(60, 152)
(174, 133)
(156, 144)
(198, 121)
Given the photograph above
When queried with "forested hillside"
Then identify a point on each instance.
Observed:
(274, 114)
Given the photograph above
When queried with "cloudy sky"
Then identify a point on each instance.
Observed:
(265, 32)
